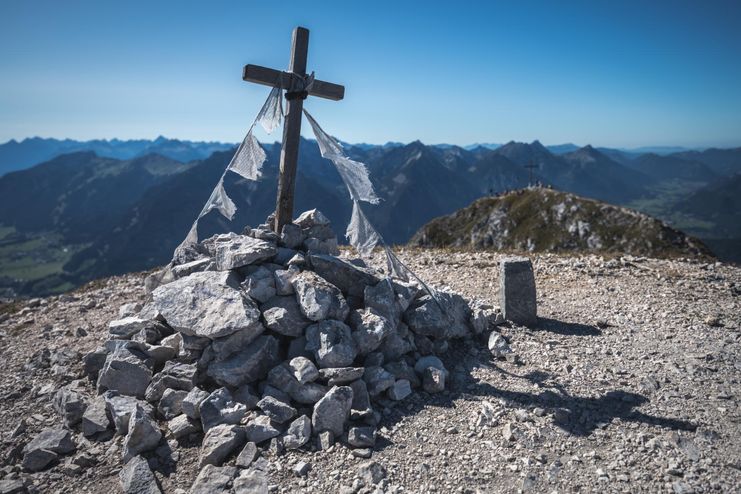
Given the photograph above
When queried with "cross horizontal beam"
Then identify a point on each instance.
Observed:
(277, 78)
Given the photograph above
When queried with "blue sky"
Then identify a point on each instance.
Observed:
(622, 74)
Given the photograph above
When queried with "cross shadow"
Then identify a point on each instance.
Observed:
(576, 415)
(566, 328)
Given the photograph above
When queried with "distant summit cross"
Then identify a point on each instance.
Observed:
(298, 86)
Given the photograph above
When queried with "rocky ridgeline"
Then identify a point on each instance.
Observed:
(259, 342)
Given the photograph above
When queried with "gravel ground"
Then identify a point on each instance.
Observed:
(630, 383)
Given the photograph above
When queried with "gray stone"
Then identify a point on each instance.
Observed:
(349, 278)
(207, 304)
(311, 218)
(182, 426)
(247, 366)
(220, 408)
(406, 292)
(429, 361)
(231, 251)
(251, 481)
(160, 354)
(449, 319)
(93, 361)
(171, 404)
(291, 236)
(362, 437)
(394, 346)
(304, 370)
(204, 264)
(278, 411)
(382, 298)
(298, 433)
(124, 372)
(38, 459)
(484, 316)
(212, 480)
(371, 472)
(361, 405)
(301, 469)
(498, 346)
(137, 478)
(314, 246)
(369, 329)
(282, 314)
(247, 455)
(143, 435)
(120, 409)
(297, 348)
(95, 419)
(309, 393)
(129, 309)
(341, 375)
(227, 346)
(261, 429)
(173, 341)
(333, 410)
(260, 284)
(517, 291)
(127, 327)
(284, 279)
(12, 486)
(400, 390)
(318, 298)
(433, 380)
(332, 344)
(378, 380)
(219, 442)
(284, 255)
(297, 262)
(70, 405)
(173, 376)
(192, 402)
(325, 440)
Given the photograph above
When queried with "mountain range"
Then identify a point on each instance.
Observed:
(16, 155)
(118, 215)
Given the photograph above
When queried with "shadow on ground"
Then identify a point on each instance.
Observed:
(566, 328)
(575, 415)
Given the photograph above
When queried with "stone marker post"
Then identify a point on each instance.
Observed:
(517, 291)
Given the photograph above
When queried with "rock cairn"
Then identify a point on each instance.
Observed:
(259, 342)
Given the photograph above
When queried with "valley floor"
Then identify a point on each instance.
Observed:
(629, 384)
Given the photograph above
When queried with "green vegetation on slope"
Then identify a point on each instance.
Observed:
(544, 220)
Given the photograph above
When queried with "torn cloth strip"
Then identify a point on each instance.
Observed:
(247, 162)
(360, 233)
(353, 173)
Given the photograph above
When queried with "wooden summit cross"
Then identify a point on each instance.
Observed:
(294, 81)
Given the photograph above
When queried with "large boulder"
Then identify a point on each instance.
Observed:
(332, 344)
(207, 304)
(517, 291)
(332, 412)
(247, 366)
(318, 298)
(232, 251)
(346, 276)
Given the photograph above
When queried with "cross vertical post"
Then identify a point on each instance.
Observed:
(294, 81)
(291, 134)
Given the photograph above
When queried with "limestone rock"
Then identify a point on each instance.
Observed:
(349, 278)
(45, 448)
(298, 433)
(400, 390)
(247, 455)
(450, 319)
(206, 304)
(332, 344)
(125, 373)
(95, 419)
(70, 405)
(362, 437)
(137, 478)
(120, 409)
(247, 366)
(282, 314)
(127, 327)
(340, 375)
(220, 441)
(232, 251)
(369, 329)
(318, 298)
(171, 403)
(261, 429)
(182, 426)
(260, 284)
(303, 369)
(498, 346)
(174, 376)
(333, 410)
(278, 411)
(192, 402)
(220, 408)
(212, 479)
(143, 435)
